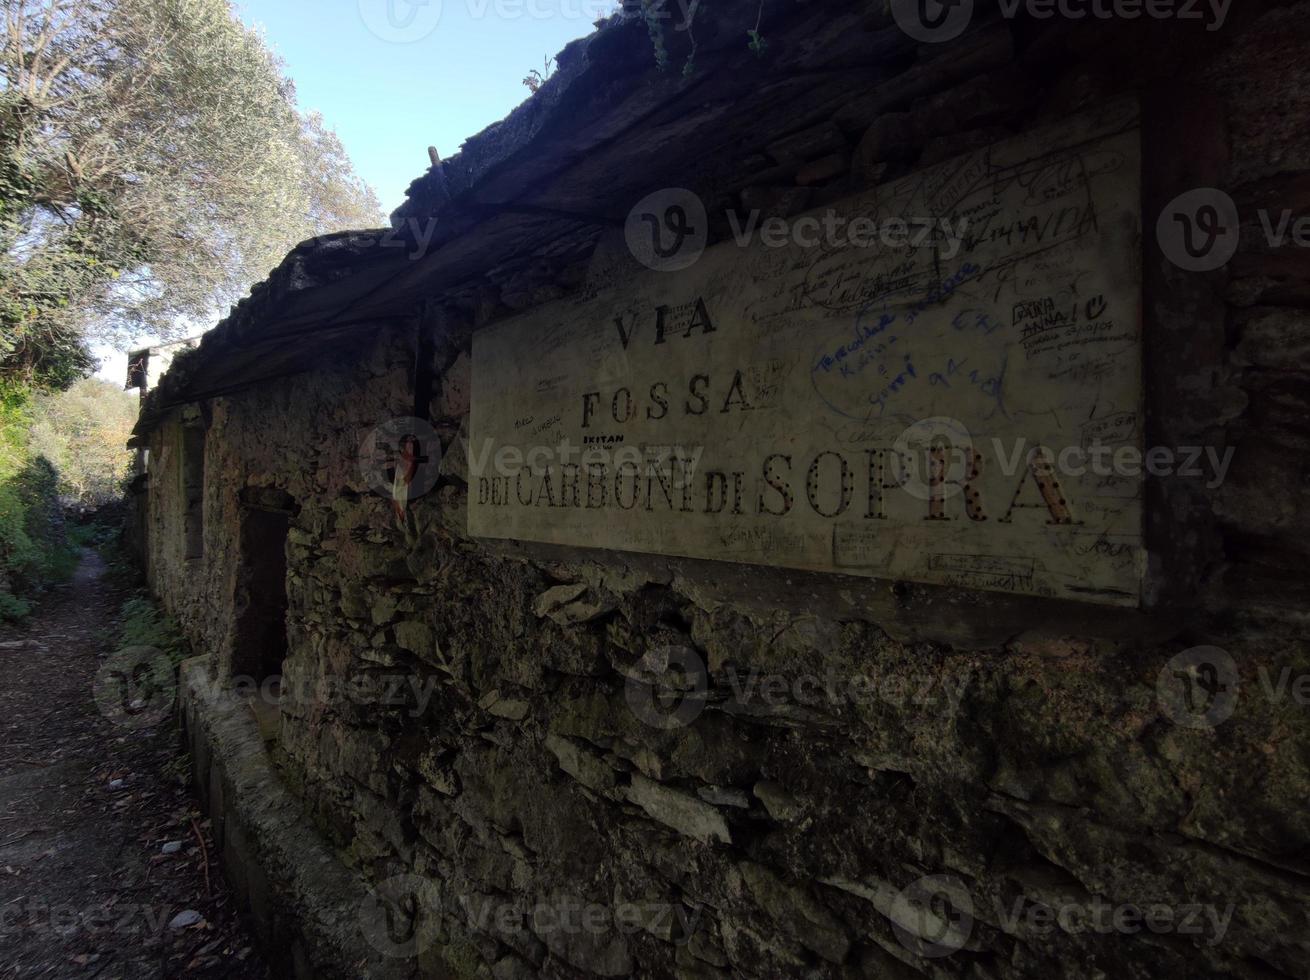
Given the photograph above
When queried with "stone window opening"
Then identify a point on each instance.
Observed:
(193, 490)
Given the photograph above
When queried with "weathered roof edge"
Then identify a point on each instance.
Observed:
(429, 193)
(309, 265)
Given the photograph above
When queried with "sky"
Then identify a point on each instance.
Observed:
(394, 77)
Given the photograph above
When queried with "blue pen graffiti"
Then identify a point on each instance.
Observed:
(877, 333)
(990, 384)
(856, 354)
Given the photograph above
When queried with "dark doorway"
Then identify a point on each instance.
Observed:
(260, 641)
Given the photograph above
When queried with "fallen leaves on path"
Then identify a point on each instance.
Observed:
(92, 884)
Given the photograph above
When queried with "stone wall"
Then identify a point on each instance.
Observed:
(853, 737)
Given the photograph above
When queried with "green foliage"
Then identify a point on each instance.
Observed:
(13, 608)
(15, 417)
(123, 574)
(92, 535)
(33, 548)
(143, 623)
(651, 13)
(83, 431)
(689, 66)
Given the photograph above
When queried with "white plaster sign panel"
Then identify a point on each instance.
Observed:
(945, 410)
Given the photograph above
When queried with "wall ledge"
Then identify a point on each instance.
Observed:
(301, 900)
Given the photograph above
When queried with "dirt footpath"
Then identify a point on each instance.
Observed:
(106, 869)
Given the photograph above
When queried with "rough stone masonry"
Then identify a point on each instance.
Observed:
(531, 753)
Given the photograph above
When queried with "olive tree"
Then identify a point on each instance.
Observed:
(83, 432)
(153, 166)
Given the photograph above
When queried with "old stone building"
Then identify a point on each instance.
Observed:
(801, 710)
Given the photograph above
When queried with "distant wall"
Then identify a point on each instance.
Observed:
(856, 735)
